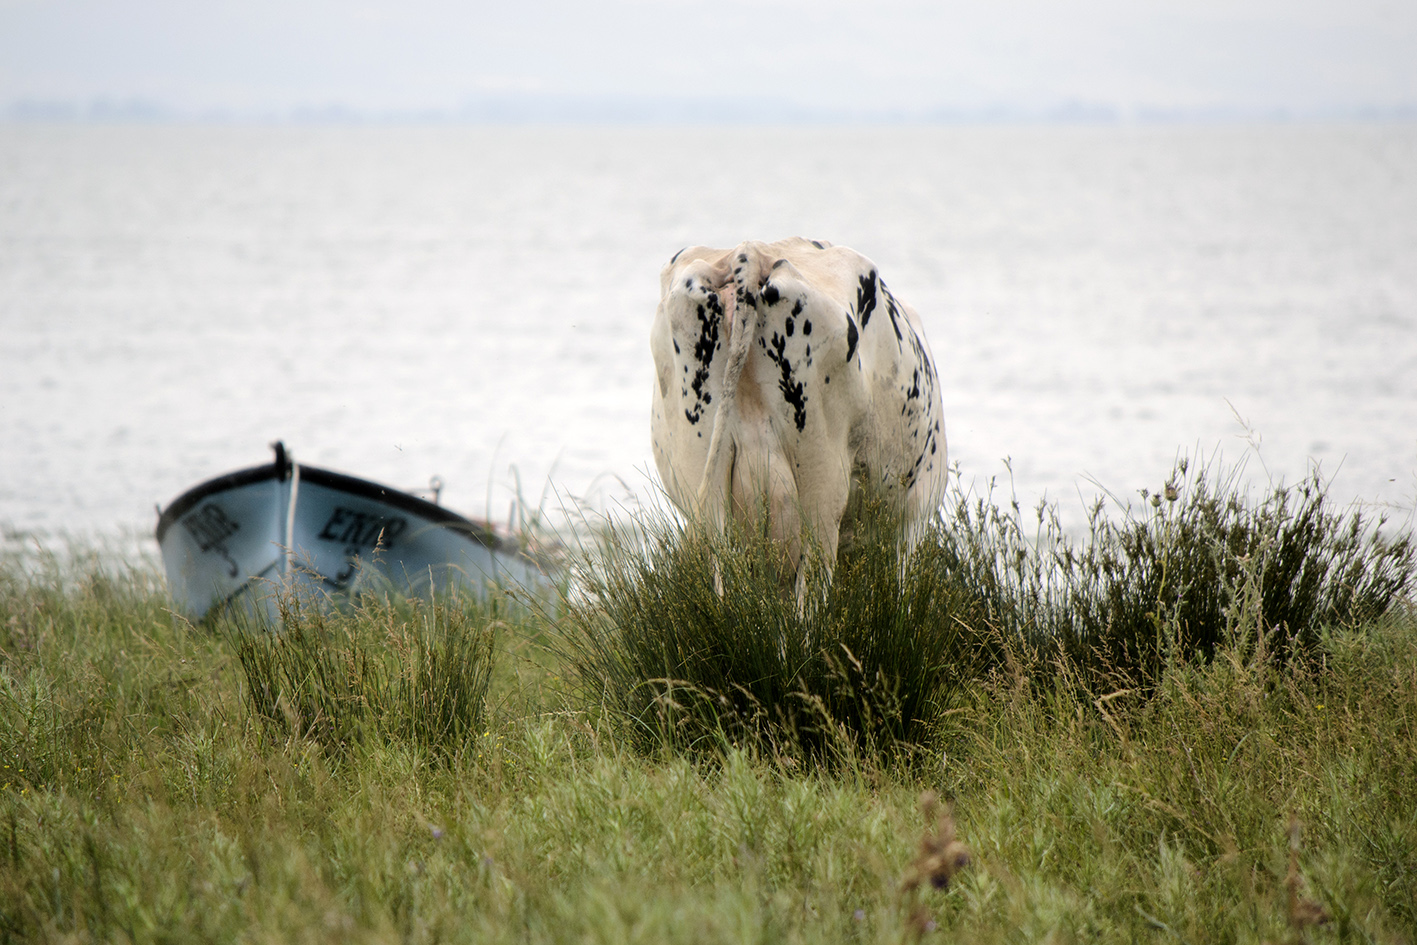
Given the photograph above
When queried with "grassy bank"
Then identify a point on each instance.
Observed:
(481, 772)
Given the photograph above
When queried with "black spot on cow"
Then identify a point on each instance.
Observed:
(675, 258)
(792, 390)
(818, 244)
(790, 326)
(893, 311)
(792, 393)
(866, 298)
(806, 325)
(852, 336)
(779, 263)
(710, 315)
(709, 318)
(770, 294)
(742, 258)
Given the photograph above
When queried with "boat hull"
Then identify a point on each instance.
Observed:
(232, 543)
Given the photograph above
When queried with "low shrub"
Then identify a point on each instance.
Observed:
(1200, 564)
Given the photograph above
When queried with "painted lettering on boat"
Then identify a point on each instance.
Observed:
(362, 529)
(210, 526)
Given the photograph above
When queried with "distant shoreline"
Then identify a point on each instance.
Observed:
(555, 110)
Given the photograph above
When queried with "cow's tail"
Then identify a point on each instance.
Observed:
(741, 311)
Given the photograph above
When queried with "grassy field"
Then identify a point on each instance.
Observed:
(1198, 724)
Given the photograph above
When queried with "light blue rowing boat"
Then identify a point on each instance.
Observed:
(234, 541)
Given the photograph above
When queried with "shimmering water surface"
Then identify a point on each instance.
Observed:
(399, 302)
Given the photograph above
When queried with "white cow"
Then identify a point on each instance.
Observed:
(788, 370)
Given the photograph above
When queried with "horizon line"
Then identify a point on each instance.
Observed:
(609, 110)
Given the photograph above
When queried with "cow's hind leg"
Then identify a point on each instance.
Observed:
(822, 504)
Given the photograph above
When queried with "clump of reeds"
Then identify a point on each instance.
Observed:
(1199, 565)
(863, 667)
(692, 638)
(390, 668)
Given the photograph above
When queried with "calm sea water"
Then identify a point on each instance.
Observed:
(475, 303)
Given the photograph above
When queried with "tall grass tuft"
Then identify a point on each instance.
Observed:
(863, 670)
(1201, 564)
(871, 661)
(390, 668)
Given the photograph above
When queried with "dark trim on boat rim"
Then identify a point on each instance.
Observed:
(181, 505)
(340, 482)
(402, 501)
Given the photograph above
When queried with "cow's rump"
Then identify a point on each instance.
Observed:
(789, 378)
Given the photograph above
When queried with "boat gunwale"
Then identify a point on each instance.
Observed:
(353, 485)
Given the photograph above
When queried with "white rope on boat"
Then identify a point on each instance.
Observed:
(290, 516)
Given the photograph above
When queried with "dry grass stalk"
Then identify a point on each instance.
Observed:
(1302, 911)
(941, 855)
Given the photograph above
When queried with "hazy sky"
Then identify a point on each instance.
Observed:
(894, 55)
